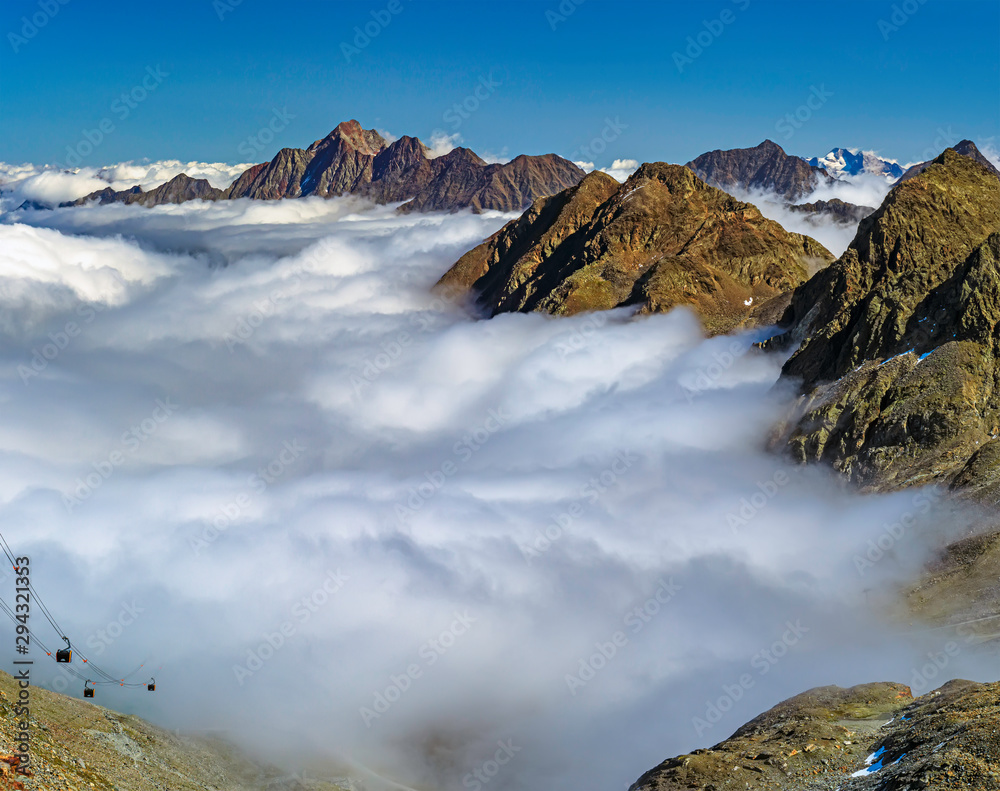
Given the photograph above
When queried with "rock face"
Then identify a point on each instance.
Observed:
(897, 356)
(765, 167)
(356, 161)
(839, 211)
(949, 738)
(663, 238)
(966, 148)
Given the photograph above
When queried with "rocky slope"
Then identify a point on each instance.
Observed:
(356, 161)
(77, 745)
(663, 238)
(765, 168)
(874, 736)
(897, 343)
(966, 148)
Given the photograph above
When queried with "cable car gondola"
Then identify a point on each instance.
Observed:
(65, 655)
(88, 692)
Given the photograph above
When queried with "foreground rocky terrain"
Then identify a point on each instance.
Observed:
(78, 745)
(896, 342)
(873, 736)
(966, 148)
(355, 161)
(663, 238)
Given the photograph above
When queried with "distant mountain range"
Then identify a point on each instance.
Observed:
(763, 168)
(355, 161)
(854, 162)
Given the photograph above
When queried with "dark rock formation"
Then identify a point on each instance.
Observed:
(662, 239)
(765, 168)
(897, 341)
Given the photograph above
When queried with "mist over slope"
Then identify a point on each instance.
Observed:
(353, 527)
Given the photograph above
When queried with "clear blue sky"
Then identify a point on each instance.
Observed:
(903, 90)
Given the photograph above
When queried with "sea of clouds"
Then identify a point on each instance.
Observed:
(348, 525)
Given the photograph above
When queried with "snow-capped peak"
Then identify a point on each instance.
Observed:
(842, 162)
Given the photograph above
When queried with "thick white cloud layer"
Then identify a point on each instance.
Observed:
(347, 525)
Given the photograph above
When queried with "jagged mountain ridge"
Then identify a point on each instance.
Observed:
(966, 148)
(663, 238)
(854, 162)
(356, 161)
(897, 342)
(765, 167)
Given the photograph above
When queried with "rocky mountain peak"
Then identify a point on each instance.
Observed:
(765, 167)
(662, 239)
(350, 134)
(897, 340)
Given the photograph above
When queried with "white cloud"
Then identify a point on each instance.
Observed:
(441, 143)
(621, 169)
(991, 152)
(331, 413)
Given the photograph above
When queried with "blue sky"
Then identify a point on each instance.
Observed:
(904, 78)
